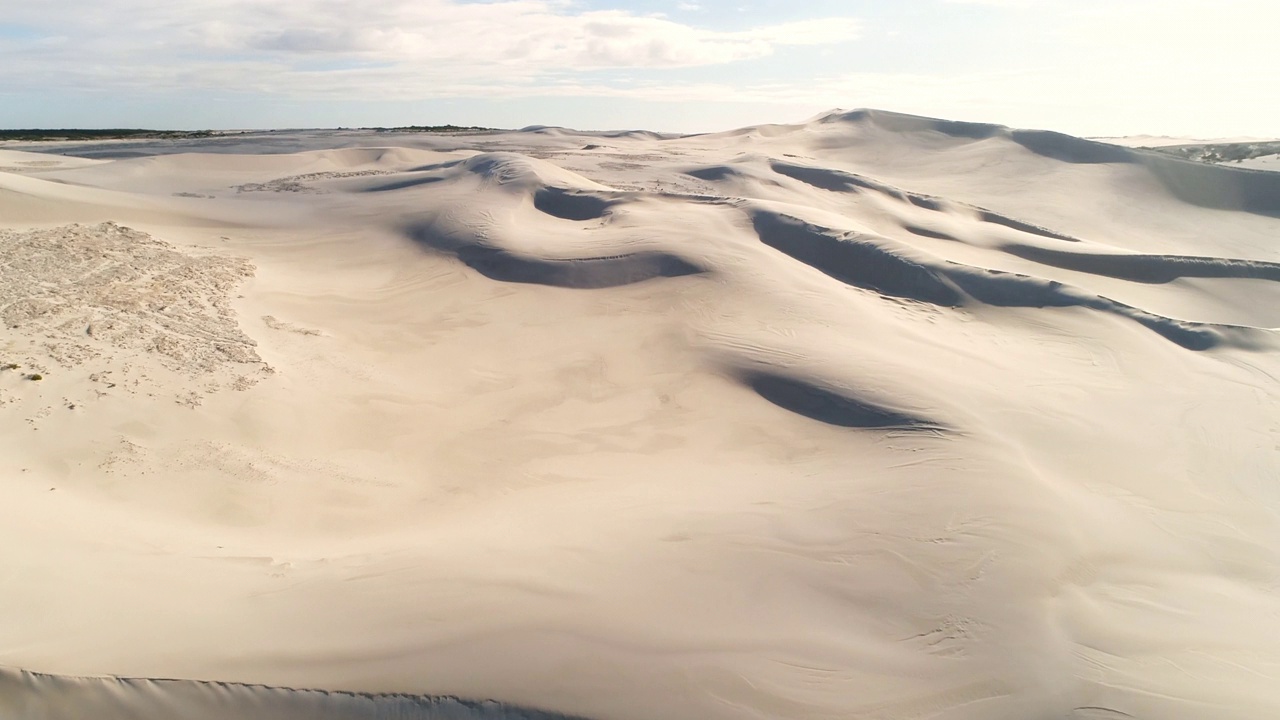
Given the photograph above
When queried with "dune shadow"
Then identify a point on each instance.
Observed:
(437, 166)
(402, 184)
(1021, 226)
(1070, 149)
(1197, 183)
(854, 262)
(1152, 269)
(929, 233)
(567, 205)
(580, 273)
(1201, 184)
(713, 173)
(875, 266)
(116, 698)
(584, 273)
(1221, 188)
(807, 398)
(826, 178)
(840, 181)
(901, 122)
(924, 201)
(1005, 289)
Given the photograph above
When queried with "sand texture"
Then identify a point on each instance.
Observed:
(870, 416)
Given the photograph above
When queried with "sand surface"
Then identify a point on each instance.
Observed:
(872, 416)
(1153, 141)
(1263, 162)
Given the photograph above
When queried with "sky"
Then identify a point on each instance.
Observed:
(1197, 68)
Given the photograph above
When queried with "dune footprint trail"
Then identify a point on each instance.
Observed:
(867, 416)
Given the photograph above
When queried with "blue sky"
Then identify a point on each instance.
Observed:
(1089, 67)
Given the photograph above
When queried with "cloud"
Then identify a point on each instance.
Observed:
(996, 3)
(1172, 66)
(267, 43)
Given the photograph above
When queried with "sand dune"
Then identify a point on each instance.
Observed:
(867, 416)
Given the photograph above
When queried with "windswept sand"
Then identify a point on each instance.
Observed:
(873, 416)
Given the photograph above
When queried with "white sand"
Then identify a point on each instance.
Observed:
(1153, 141)
(642, 428)
(1262, 162)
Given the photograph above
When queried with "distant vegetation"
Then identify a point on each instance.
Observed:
(1222, 152)
(104, 134)
(35, 135)
(431, 128)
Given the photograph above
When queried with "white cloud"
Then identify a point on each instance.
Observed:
(997, 3)
(268, 42)
(1092, 66)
